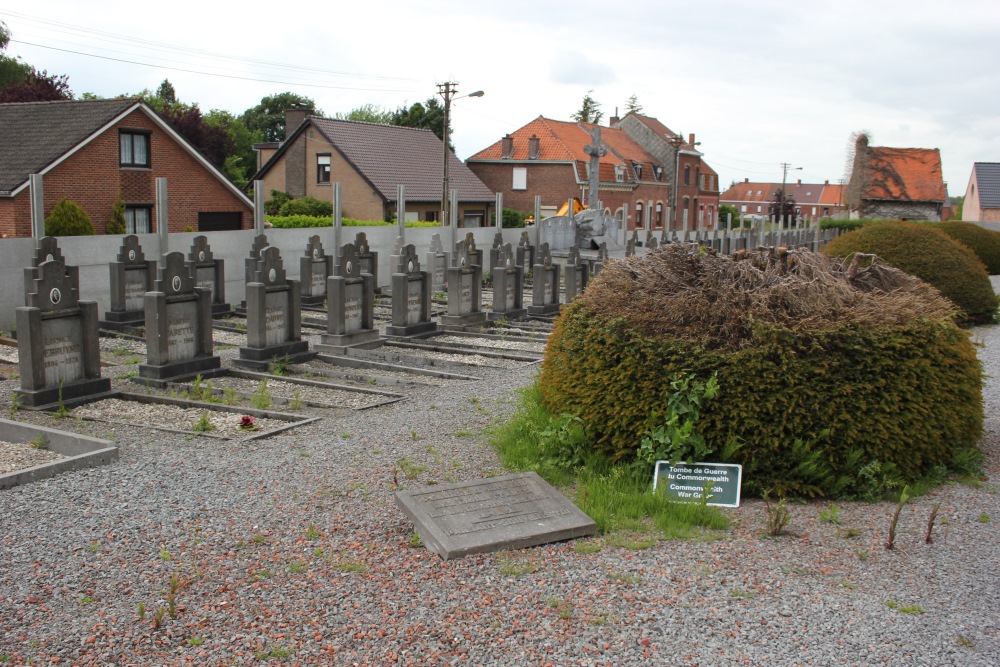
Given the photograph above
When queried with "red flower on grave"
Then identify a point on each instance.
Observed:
(247, 423)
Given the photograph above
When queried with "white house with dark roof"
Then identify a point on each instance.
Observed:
(370, 161)
(982, 196)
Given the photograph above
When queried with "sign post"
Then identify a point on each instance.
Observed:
(688, 482)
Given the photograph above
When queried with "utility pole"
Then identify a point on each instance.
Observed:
(447, 91)
(785, 168)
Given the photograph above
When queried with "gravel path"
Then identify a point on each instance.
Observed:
(290, 550)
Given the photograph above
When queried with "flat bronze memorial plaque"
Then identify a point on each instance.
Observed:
(485, 515)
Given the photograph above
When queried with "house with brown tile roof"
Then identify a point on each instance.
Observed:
(812, 200)
(982, 194)
(370, 161)
(90, 150)
(547, 158)
(895, 183)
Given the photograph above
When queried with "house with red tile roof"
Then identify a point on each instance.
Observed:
(982, 195)
(370, 161)
(546, 157)
(895, 183)
(812, 200)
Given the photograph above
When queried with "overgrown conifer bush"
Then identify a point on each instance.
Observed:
(68, 219)
(833, 378)
(984, 242)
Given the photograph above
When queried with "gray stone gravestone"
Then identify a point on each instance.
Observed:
(597, 263)
(350, 320)
(437, 263)
(485, 515)
(274, 328)
(473, 255)
(630, 246)
(508, 287)
(131, 277)
(545, 289)
(411, 297)
(57, 340)
(651, 242)
(178, 326)
(47, 250)
(465, 288)
(250, 265)
(209, 273)
(525, 257)
(315, 266)
(367, 257)
(577, 275)
(495, 250)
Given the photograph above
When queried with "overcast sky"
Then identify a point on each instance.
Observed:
(759, 83)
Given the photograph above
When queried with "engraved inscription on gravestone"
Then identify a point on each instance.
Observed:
(486, 515)
(205, 277)
(465, 295)
(414, 299)
(135, 291)
(353, 295)
(61, 343)
(509, 300)
(181, 332)
(318, 283)
(548, 289)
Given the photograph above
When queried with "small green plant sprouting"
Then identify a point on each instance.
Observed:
(263, 574)
(778, 516)
(229, 396)
(261, 399)
(831, 515)
(414, 436)
(464, 434)
(351, 566)
(964, 641)
(258, 538)
(510, 566)
(87, 600)
(415, 540)
(862, 554)
(311, 532)
(201, 390)
(984, 518)
(40, 441)
(158, 617)
(196, 640)
(164, 554)
(296, 402)
(848, 533)
(61, 411)
(910, 609)
(142, 611)
(587, 547)
(904, 496)
(94, 547)
(740, 593)
(297, 567)
(345, 436)
(930, 523)
(279, 365)
(410, 469)
(172, 605)
(277, 653)
(204, 424)
(847, 584)
(15, 404)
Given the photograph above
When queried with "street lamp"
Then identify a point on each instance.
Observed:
(447, 91)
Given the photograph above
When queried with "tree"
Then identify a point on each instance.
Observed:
(429, 115)
(367, 113)
(37, 87)
(590, 112)
(116, 225)
(268, 117)
(726, 210)
(241, 161)
(632, 104)
(166, 92)
(68, 219)
(212, 141)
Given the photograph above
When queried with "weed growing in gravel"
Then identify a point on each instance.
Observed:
(40, 441)
(904, 496)
(846, 584)
(464, 434)
(196, 641)
(414, 436)
(631, 540)
(279, 365)
(311, 532)
(229, 396)
(587, 547)
(351, 566)
(964, 641)
(263, 574)
(94, 547)
(624, 577)
(277, 653)
(410, 469)
(158, 617)
(831, 515)
(415, 540)
(204, 424)
(296, 402)
(15, 404)
(261, 399)
(258, 539)
(740, 593)
(510, 565)
(345, 436)
(87, 600)
(61, 411)
(201, 390)
(602, 618)
(911, 609)
(984, 518)
(862, 554)
(848, 533)
(297, 567)
(172, 605)
(778, 516)
(930, 523)
(164, 554)
(142, 611)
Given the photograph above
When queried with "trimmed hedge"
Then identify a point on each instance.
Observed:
(307, 206)
(931, 255)
(303, 221)
(984, 242)
(820, 404)
(68, 219)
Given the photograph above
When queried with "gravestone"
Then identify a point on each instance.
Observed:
(396, 259)
(315, 266)
(664, 237)
(486, 515)
(367, 258)
(209, 273)
(274, 310)
(437, 264)
(411, 297)
(597, 264)
(472, 254)
(178, 326)
(58, 348)
(47, 250)
(250, 265)
(465, 288)
(350, 320)
(131, 277)
(545, 290)
(495, 250)
(577, 274)
(525, 257)
(508, 287)
(651, 242)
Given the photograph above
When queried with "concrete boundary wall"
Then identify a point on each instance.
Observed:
(93, 253)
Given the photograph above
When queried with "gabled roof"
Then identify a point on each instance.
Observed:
(35, 134)
(903, 174)
(389, 155)
(563, 141)
(804, 194)
(988, 180)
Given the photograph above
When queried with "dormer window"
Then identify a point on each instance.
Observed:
(657, 172)
(619, 173)
(637, 170)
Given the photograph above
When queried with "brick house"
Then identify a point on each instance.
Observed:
(90, 150)
(982, 195)
(370, 161)
(895, 183)
(697, 183)
(812, 200)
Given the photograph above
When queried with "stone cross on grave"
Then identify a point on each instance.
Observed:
(596, 151)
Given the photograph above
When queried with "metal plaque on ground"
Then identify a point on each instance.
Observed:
(485, 515)
(687, 482)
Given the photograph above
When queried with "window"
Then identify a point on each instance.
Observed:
(619, 173)
(638, 214)
(758, 209)
(431, 216)
(637, 168)
(322, 167)
(659, 214)
(687, 175)
(657, 172)
(134, 148)
(520, 179)
(743, 208)
(137, 219)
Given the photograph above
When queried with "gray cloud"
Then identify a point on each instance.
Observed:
(574, 68)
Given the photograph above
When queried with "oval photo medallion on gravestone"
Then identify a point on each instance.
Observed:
(316, 253)
(55, 296)
(462, 263)
(349, 267)
(409, 267)
(271, 275)
(176, 283)
(131, 255)
(508, 262)
(49, 258)
(201, 256)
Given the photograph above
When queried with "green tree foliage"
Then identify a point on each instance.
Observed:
(984, 242)
(590, 111)
(68, 219)
(429, 115)
(116, 225)
(307, 206)
(166, 92)
(957, 206)
(726, 210)
(20, 82)
(512, 218)
(268, 117)
(212, 141)
(632, 104)
(928, 254)
(367, 113)
(278, 198)
(241, 162)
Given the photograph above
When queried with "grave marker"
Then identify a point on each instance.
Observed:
(525, 257)
(577, 275)
(131, 277)
(315, 266)
(688, 482)
(350, 318)
(508, 287)
(437, 264)
(495, 250)
(273, 316)
(209, 273)
(47, 250)
(411, 297)
(545, 289)
(367, 258)
(465, 287)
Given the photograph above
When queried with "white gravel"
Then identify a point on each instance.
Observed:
(20, 455)
(173, 417)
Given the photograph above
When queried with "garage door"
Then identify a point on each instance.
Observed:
(219, 221)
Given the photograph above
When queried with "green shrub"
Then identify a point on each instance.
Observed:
(984, 242)
(307, 206)
(278, 199)
(821, 373)
(511, 218)
(928, 254)
(300, 221)
(68, 219)
(846, 225)
(116, 225)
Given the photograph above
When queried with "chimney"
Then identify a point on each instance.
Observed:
(294, 118)
(826, 182)
(746, 180)
(507, 147)
(534, 147)
(800, 182)
(691, 138)
(614, 119)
